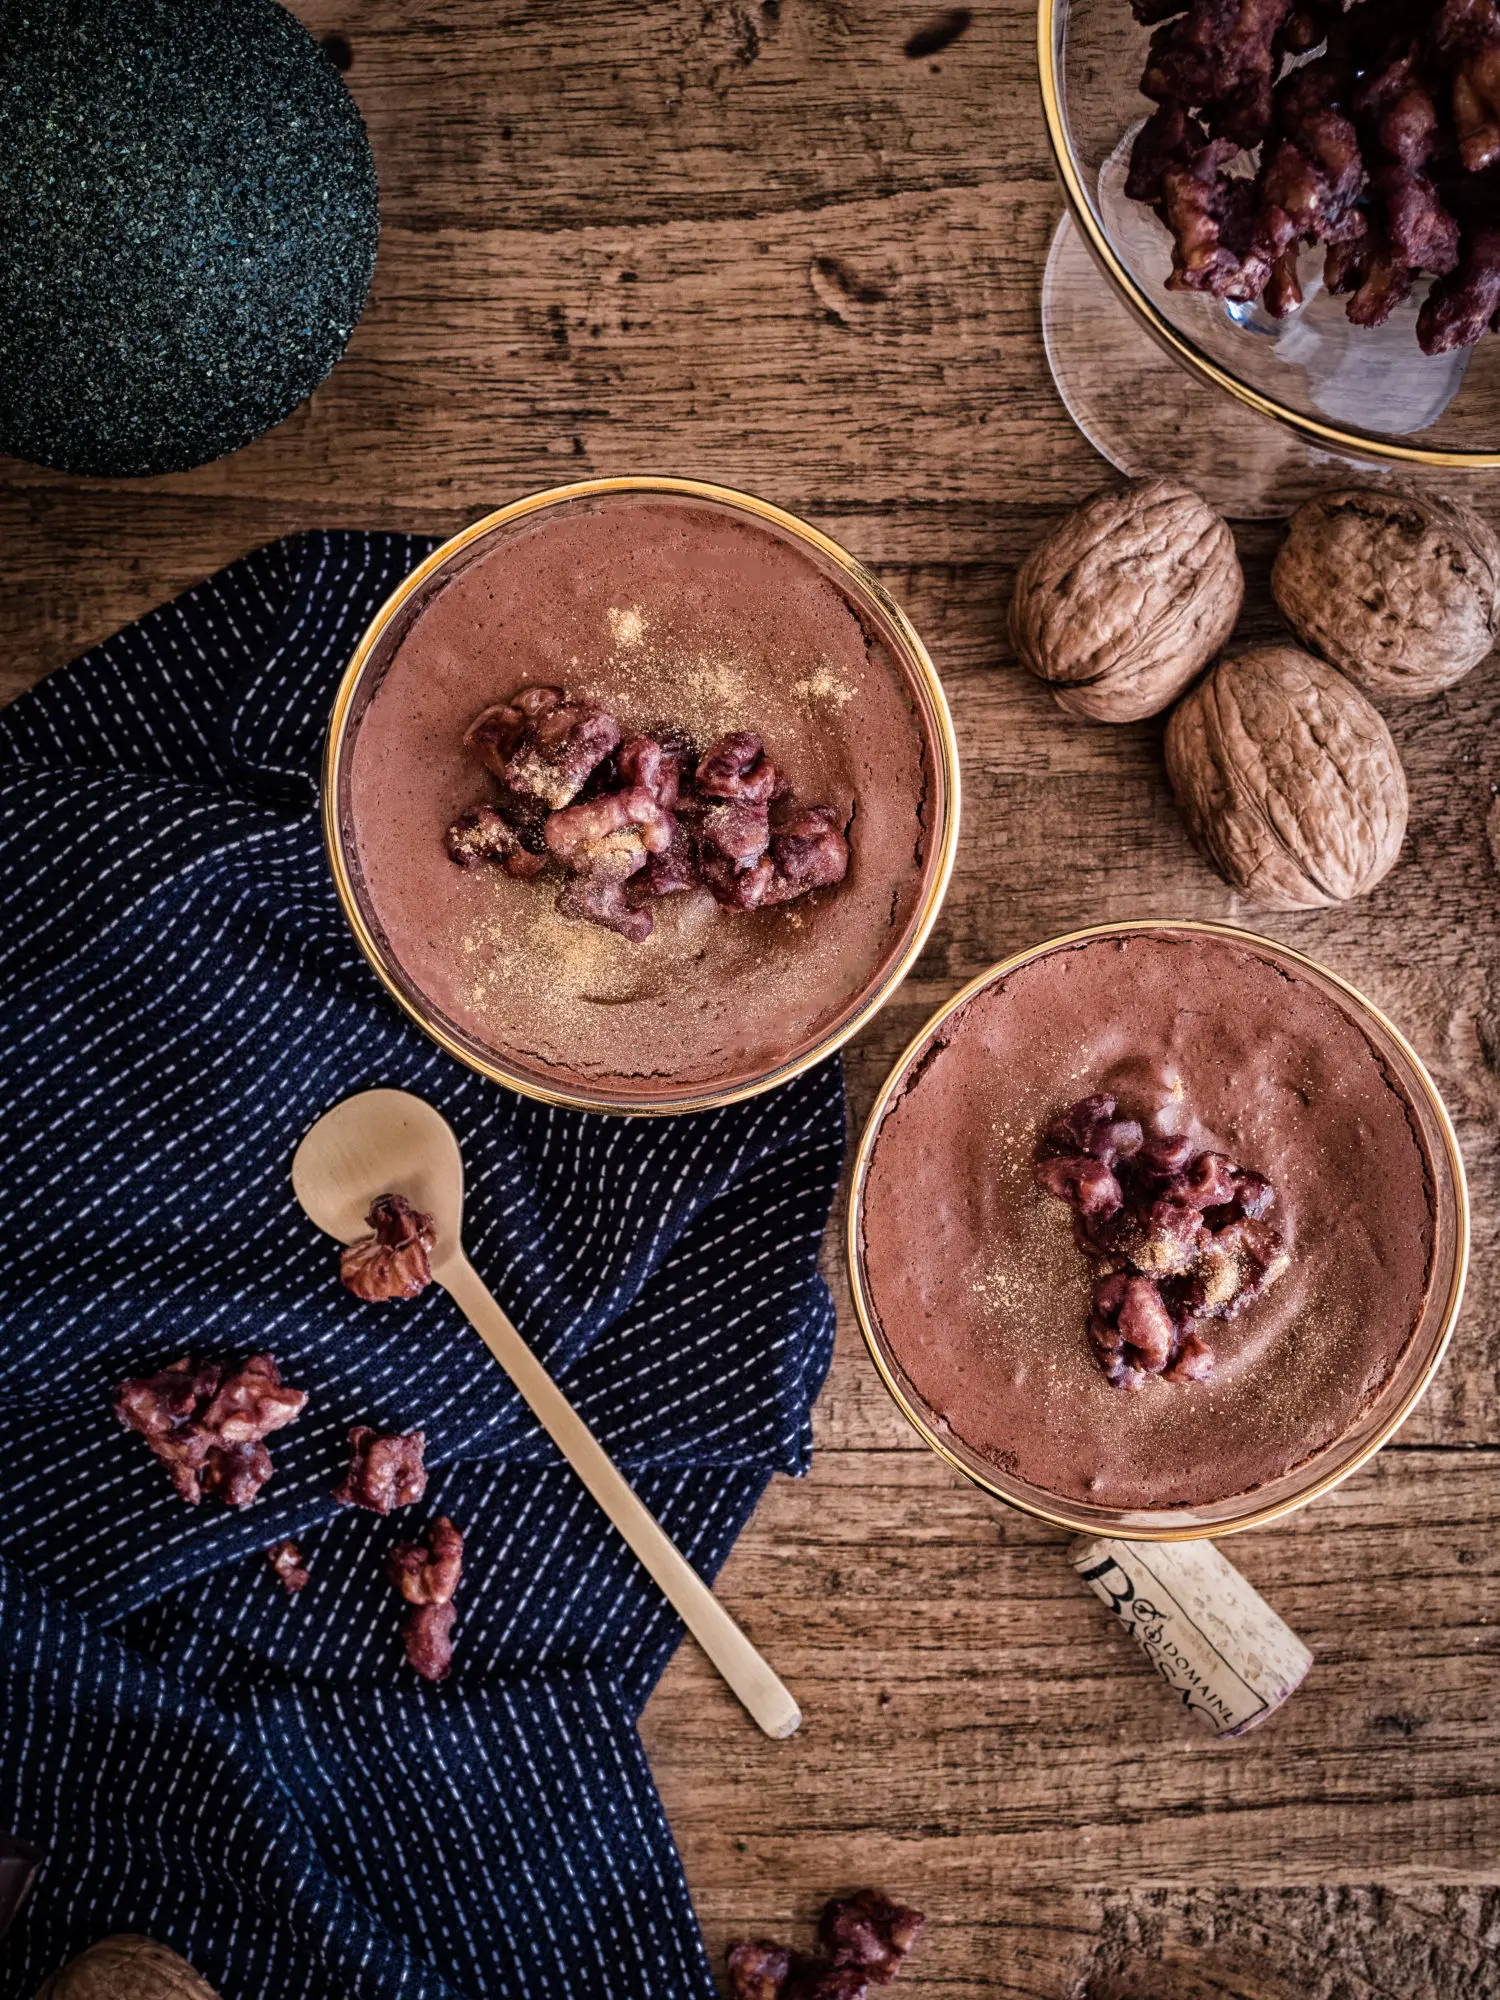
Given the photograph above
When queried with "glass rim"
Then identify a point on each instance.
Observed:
(1057, 1514)
(937, 731)
(1328, 436)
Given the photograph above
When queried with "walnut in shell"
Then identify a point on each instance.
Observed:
(127, 1968)
(1401, 592)
(1288, 779)
(1126, 601)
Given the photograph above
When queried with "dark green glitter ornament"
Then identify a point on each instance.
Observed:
(188, 217)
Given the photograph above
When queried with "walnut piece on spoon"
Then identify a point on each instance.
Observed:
(1288, 779)
(1401, 592)
(1127, 600)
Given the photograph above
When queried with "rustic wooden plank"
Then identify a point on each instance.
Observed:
(728, 109)
(978, 1732)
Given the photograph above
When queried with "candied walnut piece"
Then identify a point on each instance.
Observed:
(1476, 107)
(542, 746)
(252, 1402)
(285, 1559)
(427, 1578)
(1461, 305)
(1399, 590)
(428, 1575)
(428, 1638)
(609, 835)
(1422, 235)
(1127, 600)
(1087, 1185)
(807, 852)
(869, 1931)
(385, 1470)
(602, 900)
(604, 841)
(394, 1261)
(1219, 245)
(1170, 137)
(654, 767)
(737, 767)
(483, 834)
(206, 1424)
(737, 832)
(1288, 779)
(674, 869)
(758, 1969)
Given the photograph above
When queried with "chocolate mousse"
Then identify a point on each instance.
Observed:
(1026, 1275)
(582, 663)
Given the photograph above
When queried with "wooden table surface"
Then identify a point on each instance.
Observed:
(795, 245)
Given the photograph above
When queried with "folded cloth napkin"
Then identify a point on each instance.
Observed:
(256, 1779)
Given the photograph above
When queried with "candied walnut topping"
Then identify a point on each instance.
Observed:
(1177, 1234)
(394, 1261)
(864, 1936)
(207, 1423)
(1368, 150)
(427, 1577)
(627, 819)
(286, 1559)
(385, 1470)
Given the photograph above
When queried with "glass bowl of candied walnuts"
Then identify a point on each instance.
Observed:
(1295, 208)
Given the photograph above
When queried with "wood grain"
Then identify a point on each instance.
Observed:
(757, 240)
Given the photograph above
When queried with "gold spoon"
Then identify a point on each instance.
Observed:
(389, 1142)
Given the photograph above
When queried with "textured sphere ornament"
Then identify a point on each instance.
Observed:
(188, 216)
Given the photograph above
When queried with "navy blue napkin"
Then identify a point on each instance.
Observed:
(260, 1780)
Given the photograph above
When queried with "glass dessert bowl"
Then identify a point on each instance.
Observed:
(648, 618)
(1256, 411)
(986, 1303)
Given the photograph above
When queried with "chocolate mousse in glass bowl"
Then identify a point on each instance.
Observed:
(1158, 1229)
(640, 795)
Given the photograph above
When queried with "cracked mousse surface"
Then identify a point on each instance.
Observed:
(983, 1294)
(672, 613)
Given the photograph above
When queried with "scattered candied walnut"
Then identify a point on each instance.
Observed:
(1288, 779)
(394, 1262)
(385, 1470)
(1177, 1234)
(1127, 600)
(285, 1559)
(427, 1577)
(864, 1936)
(869, 1931)
(758, 1969)
(1400, 591)
(207, 1423)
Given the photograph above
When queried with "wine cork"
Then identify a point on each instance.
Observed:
(1213, 1639)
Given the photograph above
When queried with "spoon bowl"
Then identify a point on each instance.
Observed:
(382, 1142)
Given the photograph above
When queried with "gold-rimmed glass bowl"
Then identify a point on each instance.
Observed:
(884, 622)
(1257, 411)
(1325, 1468)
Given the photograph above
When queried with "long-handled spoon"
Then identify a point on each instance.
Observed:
(389, 1142)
